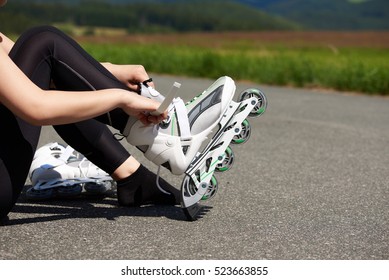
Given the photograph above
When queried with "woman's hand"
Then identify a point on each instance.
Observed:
(141, 107)
(130, 75)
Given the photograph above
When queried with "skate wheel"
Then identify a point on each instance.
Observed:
(190, 199)
(98, 187)
(227, 162)
(190, 188)
(260, 108)
(212, 189)
(33, 194)
(69, 191)
(244, 134)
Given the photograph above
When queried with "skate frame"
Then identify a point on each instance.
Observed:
(201, 170)
(49, 184)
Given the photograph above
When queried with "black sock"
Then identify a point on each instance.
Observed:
(141, 188)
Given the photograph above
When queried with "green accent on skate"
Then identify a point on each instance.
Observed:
(261, 111)
(223, 169)
(239, 141)
(174, 117)
(206, 174)
(193, 99)
(173, 121)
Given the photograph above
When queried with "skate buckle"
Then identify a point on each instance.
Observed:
(186, 138)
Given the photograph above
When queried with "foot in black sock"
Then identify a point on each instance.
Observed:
(141, 188)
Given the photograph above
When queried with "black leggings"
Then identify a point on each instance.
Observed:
(47, 55)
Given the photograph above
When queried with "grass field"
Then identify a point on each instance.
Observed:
(346, 61)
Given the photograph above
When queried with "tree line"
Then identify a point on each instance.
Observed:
(183, 16)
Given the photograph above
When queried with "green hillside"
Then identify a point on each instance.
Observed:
(310, 14)
(329, 14)
(143, 17)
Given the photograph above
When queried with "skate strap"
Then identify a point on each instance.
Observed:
(66, 154)
(148, 91)
(168, 100)
(182, 119)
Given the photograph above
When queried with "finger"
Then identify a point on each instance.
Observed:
(133, 87)
(161, 118)
(155, 119)
(152, 120)
(144, 120)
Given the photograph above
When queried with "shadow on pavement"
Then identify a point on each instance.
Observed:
(87, 207)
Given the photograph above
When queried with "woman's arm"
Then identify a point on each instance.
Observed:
(6, 43)
(41, 107)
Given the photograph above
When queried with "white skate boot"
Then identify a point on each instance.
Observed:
(59, 171)
(175, 143)
(179, 143)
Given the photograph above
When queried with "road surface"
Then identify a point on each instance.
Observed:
(312, 183)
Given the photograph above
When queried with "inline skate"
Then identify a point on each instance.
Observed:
(179, 143)
(59, 171)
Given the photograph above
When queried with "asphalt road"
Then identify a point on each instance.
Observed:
(312, 183)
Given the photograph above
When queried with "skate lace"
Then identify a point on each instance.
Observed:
(70, 155)
(84, 174)
(157, 181)
(67, 154)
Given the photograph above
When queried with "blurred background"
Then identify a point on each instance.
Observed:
(331, 44)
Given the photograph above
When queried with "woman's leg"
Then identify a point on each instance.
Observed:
(17, 147)
(47, 54)
(51, 55)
